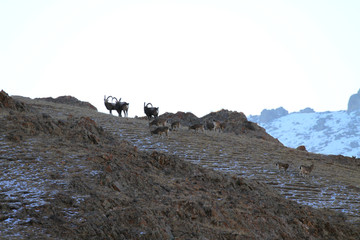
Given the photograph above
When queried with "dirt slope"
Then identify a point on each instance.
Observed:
(73, 173)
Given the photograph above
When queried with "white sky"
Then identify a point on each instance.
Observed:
(197, 56)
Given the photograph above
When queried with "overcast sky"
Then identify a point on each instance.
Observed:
(197, 56)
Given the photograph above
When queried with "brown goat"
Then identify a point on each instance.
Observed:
(174, 125)
(283, 166)
(306, 170)
(158, 122)
(160, 131)
(197, 127)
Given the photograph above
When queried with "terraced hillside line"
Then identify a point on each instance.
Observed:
(20, 190)
(330, 185)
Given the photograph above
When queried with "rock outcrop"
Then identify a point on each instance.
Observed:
(69, 100)
(307, 110)
(269, 115)
(235, 122)
(354, 102)
(7, 102)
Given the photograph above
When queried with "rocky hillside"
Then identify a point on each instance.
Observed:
(70, 172)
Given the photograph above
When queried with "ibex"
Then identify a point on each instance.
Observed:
(158, 122)
(160, 131)
(197, 127)
(219, 125)
(306, 170)
(122, 106)
(210, 125)
(151, 111)
(283, 166)
(110, 105)
(174, 125)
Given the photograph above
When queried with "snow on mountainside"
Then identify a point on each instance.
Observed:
(335, 133)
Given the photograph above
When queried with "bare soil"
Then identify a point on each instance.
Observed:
(70, 172)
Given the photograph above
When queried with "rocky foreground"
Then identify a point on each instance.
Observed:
(66, 177)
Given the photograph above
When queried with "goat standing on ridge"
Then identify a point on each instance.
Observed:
(151, 111)
(110, 105)
(122, 106)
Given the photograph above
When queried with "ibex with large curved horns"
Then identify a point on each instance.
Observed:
(122, 106)
(110, 105)
(151, 111)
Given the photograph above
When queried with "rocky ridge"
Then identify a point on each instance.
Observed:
(234, 122)
(69, 100)
(335, 133)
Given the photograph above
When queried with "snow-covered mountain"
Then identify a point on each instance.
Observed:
(320, 132)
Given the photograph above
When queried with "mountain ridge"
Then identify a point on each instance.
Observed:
(329, 132)
(335, 133)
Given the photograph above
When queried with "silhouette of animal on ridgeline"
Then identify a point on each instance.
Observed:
(109, 105)
(151, 111)
(117, 105)
(122, 107)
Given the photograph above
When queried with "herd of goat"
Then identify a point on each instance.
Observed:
(304, 170)
(117, 105)
(151, 111)
(124, 107)
(161, 127)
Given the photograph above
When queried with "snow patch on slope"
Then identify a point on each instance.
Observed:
(321, 132)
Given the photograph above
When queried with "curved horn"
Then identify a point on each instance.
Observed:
(149, 104)
(114, 98)
(108, 98)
